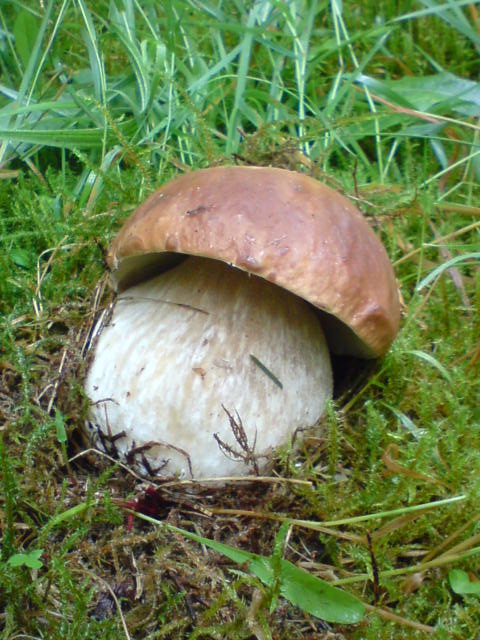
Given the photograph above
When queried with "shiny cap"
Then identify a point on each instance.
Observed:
(280, 225)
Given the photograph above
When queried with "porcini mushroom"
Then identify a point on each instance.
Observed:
(232, 281)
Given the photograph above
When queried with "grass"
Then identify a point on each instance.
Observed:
(100, 103)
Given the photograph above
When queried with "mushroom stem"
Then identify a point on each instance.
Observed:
(204, 368)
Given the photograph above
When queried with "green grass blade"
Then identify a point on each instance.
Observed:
(127, 38)
(96, 66)
(36, 60)
(61, 138)
(458, 260)
(311, 594)
(259, 13)
(427, 357)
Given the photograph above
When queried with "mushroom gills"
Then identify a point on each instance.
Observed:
(204, 369)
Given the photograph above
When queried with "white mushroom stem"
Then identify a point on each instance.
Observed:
(194, 343)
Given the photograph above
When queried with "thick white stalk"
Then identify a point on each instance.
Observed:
(194, 343)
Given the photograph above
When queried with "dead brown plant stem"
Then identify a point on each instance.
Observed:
(446, 543)
(388, 615)
(299, 523)
(461, 546)
(424, 300)
(454, 273)
(458, 208)
(436, 241)
(114, 598)
(449, 558)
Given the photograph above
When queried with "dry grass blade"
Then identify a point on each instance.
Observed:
(389, 615)
(116, 601)
(453, 272)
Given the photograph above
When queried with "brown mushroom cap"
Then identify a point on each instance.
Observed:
(282, 226)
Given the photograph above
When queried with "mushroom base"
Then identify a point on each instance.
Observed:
(204, 369)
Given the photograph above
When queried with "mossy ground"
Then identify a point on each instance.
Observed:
(401, 432)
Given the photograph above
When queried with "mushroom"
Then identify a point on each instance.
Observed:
(234, 283)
